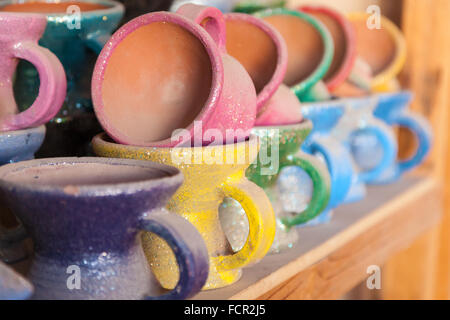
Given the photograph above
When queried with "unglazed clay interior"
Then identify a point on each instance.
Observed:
(57, 7)
(82, 174)
(254, 49)
(157, 80)
(376, 46)
(339, 39)
(304, 43)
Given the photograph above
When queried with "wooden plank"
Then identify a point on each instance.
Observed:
(331, 259)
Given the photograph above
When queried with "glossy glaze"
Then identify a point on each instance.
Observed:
(13, 286)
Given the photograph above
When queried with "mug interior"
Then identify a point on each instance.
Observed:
(52, 7)
(157, 79)
(254, 49)
(368, 39)
(304, 43)
(339, 39)
(78, 174)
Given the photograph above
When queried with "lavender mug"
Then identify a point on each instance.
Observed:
(168, 59)
(19, 35)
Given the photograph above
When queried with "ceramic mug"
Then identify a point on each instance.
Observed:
(16, 146)
(261, 49)
(310, 50)
(325, 116)
(392, 108)
(280, 149)
(356, 125)
(211, 174)
(76, 32)
(19, 35)
(199, 87)
(382, 46)
(222, 5)
(85, 215)
(251, 6)
(12, 285)
(347, 66)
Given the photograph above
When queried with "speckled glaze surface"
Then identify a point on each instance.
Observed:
(210, 174)
(348, 70)
(76, 48)
(19, 35)
(325, 116)
(12, 285)
(280, 149)
(231, 104)
(393, 108)
(311, 88)
(386, 80)
(86, 213)
(360, 131)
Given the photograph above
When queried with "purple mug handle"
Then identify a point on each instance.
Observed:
(210, 18)
(52, 90)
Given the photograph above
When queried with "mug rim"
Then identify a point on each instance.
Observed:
(302, 125)
(197, 31)
(32, 130)
(350, 36)
(112, 7)
(399, 60)
(322, 68)
(174, 178)
(282, 55)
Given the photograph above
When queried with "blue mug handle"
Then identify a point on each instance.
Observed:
(388, 142)
(420, 127)
(339, 164)
(189, 248)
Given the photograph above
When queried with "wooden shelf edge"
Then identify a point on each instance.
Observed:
(407, 211)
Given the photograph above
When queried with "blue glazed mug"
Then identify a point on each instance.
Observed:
(325, 116)
(392, 108)
(85, 216)
(12, 285)
(16, 146)
(76, 32)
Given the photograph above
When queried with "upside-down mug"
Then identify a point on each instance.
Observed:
(262, 51)
(310, 51)
(184, 70)
(85, 216)
(19, 35)
(211, 173)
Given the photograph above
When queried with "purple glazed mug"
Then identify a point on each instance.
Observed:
(261, 49)
(162, 72)
(19, 35)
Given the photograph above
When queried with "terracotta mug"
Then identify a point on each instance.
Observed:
(261, 49)
(310, 51)
(383, 48)
(211, 173)
(85, 216)
(13, 286)
(171, 61)
(347, 66)
(19, 35)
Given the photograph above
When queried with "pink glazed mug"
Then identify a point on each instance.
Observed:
(162, 71)
(19, 35)
(261, 49)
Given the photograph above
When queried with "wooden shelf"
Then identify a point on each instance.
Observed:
(330, 260)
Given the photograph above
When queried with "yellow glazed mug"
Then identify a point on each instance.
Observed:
(382, 45)
(211, 173)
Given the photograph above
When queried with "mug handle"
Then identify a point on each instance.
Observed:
(339, 164)
(420, 127)
(189, 248)
(261, 219)
(210, 18)
(320, 177)
(52, 90)
(388, 142)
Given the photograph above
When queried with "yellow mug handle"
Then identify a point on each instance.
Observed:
(261, 218)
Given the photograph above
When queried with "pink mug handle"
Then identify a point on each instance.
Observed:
(52, 90)
(210, 18)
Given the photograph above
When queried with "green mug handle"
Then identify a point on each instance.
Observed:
(318, 172)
